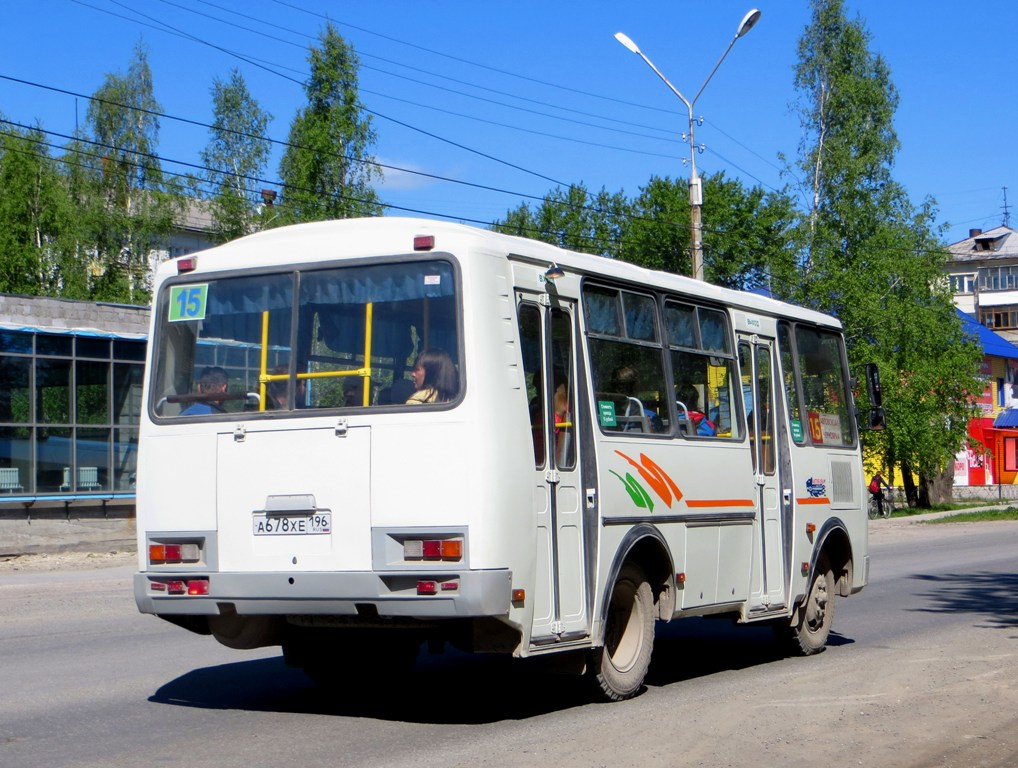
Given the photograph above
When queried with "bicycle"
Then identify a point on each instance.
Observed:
(888, 506)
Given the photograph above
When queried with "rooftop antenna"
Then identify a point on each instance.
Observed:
(1007, 211)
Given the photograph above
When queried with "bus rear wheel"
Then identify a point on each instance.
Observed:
(815, 615)
(620, 665)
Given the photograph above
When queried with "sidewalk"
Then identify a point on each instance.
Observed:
(898, 521)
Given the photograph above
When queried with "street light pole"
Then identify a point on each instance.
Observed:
(695, 187)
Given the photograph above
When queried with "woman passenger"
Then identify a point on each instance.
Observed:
(435, 377)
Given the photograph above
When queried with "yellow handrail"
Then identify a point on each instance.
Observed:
(369, 311)
(262, 374)
(364, 372)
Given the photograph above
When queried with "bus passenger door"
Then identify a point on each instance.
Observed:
(547, 335)
(767, 587)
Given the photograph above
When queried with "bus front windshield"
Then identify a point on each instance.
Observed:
(341, 337)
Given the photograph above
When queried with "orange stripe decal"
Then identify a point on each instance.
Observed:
(705, 503)
(813, 500)
(656, 477)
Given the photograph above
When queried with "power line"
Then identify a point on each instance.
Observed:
(255, 62)
(278, 142)
(359, 106)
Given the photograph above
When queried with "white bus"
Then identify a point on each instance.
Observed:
(618, 446)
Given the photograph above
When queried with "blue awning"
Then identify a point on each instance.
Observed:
(1007, 418)
(993, 344)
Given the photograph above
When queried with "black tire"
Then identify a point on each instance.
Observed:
(815, 614)
(618, 668)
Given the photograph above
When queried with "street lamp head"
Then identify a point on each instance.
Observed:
(747, 22)
(623, 38)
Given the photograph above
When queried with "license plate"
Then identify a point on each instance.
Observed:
(292, 525)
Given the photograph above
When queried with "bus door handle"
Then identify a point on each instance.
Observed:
(552, 476)
(341, 427)
(239, 434)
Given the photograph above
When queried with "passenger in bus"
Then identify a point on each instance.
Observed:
(637, 417)
(212, 381)
(563, 420)
(279, 390)
(353, 392)
(690, 398)
(435, 377)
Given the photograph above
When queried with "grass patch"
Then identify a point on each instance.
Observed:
(906, 511)
(978, 517)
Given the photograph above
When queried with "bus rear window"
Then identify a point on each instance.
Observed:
(342, 337)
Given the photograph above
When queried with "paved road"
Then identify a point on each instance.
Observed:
(920, 672)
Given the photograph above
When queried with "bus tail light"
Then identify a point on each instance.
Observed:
(172, 554)
(198, 587)
(449, 550)
(187, 264)
(424, 242)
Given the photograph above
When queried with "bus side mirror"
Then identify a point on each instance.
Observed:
(876, 395)
(877, 417)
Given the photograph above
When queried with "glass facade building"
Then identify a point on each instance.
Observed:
(70, 402)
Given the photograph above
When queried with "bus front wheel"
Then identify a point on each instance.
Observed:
(620, 665)
(815, 615)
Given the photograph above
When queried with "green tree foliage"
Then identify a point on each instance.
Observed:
(236, 154)
(746, 241)
(33, 211)
(747, 233)
(872, 258)
(573, 219)
(327, 169)
(127, 208)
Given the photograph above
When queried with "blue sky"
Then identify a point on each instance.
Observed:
(511, 98)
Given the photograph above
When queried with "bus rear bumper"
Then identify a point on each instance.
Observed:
(433, 596)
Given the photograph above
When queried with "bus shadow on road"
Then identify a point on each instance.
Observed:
(452, 688)
(459, 688)
(992, 595)
(694, 648)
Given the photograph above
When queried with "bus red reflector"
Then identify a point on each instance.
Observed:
(176, 587)
(424, 242)
(427, 587)
(189, 264)
(198, 587)
(450, 586)
(432, 548)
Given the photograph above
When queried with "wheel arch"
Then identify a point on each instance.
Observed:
(645, 546)
(834, 542)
